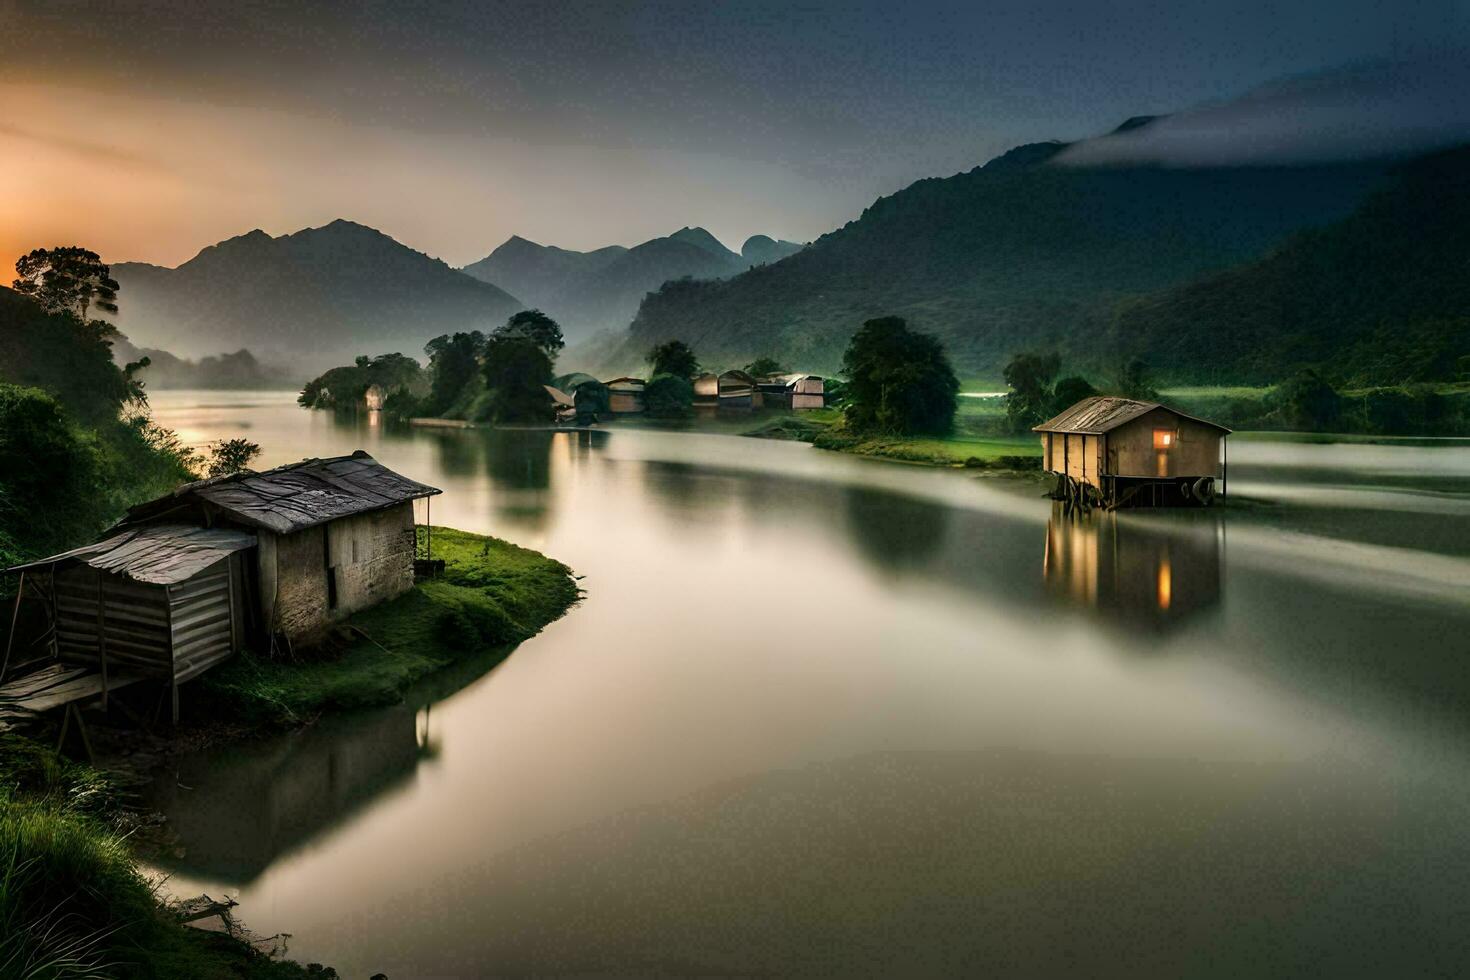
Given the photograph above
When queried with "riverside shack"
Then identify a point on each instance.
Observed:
(251, 559)
(1117, 452)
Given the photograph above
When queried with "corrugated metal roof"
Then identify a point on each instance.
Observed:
(299, 495)
(158, 554)
(1103, 413)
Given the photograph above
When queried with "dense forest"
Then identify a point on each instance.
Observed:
(76, 446)
(1381, 297)
(1019, 254)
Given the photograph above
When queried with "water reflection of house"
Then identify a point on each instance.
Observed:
(243, 809)
(1120, 451)
(1127, 570)
(625, 395)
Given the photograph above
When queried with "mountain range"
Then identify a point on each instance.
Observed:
(315, 298)
(1023, 252)
(587, 292)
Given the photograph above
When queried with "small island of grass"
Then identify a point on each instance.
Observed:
(491, 594)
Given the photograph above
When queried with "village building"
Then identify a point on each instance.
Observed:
(247, 560)
(707, 390)
(738, 390)
(1117, 452)
(625, 395)
(563, 405)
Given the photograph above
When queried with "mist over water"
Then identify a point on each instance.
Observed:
(826, 713)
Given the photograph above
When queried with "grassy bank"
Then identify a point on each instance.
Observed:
(492, 594)
(971, 452)
(72, 901)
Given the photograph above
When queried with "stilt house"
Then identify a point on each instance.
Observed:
(1120, 451)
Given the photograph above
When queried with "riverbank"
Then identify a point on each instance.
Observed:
(73, 893)
(74, 902)
(492, 594)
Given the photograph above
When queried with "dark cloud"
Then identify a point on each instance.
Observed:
(1382, 109)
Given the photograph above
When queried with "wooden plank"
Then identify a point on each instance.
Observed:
(81, 689)
(46, 677)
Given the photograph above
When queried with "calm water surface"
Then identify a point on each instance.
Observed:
(825, 714)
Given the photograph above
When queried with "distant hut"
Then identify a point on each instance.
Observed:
(804, 391)
(563, 405)
(374, 397)
(707, 390)
(625, 395)
(737, 390)
(1120, 451)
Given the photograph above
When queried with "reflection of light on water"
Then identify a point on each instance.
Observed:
(1165, 582)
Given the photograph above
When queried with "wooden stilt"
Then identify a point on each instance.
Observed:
(102, 639)
(14, 615)
(173, 686)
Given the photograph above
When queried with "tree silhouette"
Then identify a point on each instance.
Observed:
(66, 279)
(674, 357)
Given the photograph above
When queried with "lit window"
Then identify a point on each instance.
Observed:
(1164, 438)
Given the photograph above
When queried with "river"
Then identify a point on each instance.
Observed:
(827, 714)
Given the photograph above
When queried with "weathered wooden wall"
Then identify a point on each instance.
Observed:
(1196, 451)
(133, 621)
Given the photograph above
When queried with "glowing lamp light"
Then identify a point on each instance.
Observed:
(1163, 438)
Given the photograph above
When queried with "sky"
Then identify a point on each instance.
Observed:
(147, 131)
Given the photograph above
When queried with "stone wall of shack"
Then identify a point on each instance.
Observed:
(368, 556)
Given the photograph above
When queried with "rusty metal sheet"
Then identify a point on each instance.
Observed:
(156, 554)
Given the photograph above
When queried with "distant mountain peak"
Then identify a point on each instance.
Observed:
(703, 239)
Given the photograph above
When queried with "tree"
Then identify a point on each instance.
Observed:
(763, 367)
(674, 357)
(1068, 392)
(538, 328)
(899, 381)
(231, 456)
(1306, 400)
(1136, 381)
(66, 279)
(1029, 376)
(592, 399)
(668, 396)
(453, 363)
(516, 369)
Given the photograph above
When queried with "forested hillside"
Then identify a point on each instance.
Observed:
(1381, 297)
(1020, 253)
(75, 451)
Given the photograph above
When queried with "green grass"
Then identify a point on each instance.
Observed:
(975, 452)
(1214, 391)
(493, 594)
(73, 902)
